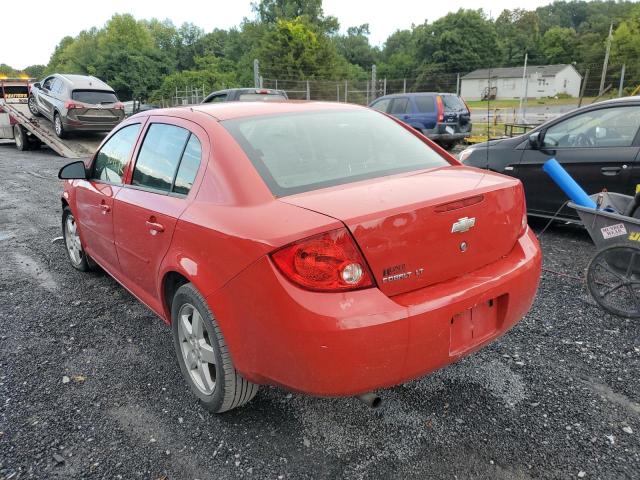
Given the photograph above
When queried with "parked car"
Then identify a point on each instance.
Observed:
(349, 257)
(597, 144)
(246, 95)
(442, 117)
(76, 102)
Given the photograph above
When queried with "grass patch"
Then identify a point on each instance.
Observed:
(515, 102)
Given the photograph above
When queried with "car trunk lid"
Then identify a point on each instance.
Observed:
(422, 228)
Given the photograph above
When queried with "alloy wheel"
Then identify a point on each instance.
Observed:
(197, 352)
(72, 240)
(58, 125)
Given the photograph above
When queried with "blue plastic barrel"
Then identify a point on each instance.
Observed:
(568, 185)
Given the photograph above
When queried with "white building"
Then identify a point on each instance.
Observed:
(540, 81)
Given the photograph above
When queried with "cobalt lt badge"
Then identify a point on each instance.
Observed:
(463, 224)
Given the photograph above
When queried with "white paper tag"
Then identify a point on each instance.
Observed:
(613, 231)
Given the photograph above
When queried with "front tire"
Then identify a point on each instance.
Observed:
(78, 258)
(33, 106)
(58, 127)
(20, 136)
(203, 355)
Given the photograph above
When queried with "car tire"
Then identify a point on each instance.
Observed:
(58, 127)
(203, 354)
(20, 136)
(77, 256)
(33, 106)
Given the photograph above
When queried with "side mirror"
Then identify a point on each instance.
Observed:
(37, 85)
(535, 140)
(73, 171)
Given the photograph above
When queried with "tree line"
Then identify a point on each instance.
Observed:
(294, 39)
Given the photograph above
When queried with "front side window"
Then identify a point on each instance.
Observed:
(113, 156)
(382, 105)
(300, 152)
(218, 98)
(169, 159)
(46, 85)
(606, 127)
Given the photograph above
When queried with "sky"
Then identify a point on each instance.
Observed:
(37, 36)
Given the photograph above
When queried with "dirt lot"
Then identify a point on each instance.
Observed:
(90, 387)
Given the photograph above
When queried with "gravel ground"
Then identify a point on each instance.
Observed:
(90, 387)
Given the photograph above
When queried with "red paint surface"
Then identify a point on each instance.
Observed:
(220, 236)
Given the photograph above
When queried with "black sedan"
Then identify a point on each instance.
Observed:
(597, 144)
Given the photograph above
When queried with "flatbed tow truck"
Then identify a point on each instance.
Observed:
(30, 132)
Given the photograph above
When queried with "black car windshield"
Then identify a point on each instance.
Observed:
(300, 152)
(94, 97)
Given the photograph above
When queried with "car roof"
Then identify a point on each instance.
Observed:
(414, 94)
(230, 110)
(84, 82)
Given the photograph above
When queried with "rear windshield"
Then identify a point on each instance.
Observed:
(306, 151)
(425, 103)
(257, 97)
(94, 97)
(452, 102)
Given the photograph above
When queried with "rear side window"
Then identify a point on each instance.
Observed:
(113, 156)
(382, 105)
(94, 97)
(453, 103)
(425, 104)
(400, 105)
(218, 98)
(168, 160)
(188, 166)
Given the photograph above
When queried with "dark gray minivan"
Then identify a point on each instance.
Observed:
(76, 102)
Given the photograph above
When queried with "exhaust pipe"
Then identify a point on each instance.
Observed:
(370, 399)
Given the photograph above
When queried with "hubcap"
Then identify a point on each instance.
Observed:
(32, 105)
(72, 240)
(58, 125)
(197, 352)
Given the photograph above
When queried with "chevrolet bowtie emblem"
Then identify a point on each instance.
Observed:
(463, 225)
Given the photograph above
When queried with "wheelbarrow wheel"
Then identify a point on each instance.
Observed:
(613, 279)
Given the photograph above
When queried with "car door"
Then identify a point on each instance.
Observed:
(401, 109)
(147, 208)
(94, 196)
(597, 147)
(43, 97)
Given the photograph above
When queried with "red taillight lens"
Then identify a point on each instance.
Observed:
(440, 109)
(69, 105)
(329, 262)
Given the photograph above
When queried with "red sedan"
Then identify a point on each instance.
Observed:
(323, 247)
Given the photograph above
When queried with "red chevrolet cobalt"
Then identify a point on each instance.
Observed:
(323, 247)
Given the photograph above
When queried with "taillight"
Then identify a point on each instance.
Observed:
(524, 221)
(119, 106)
(329, 262)
(440, 109)
(70, 105)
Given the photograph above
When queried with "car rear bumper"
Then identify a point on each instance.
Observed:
(93, 126)
(448, 132)
(338, 344)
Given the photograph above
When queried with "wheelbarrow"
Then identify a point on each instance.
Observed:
(613, 274)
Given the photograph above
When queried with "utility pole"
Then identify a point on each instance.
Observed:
(606, 61)
(621, 81)
(256, 73)
(404, 85)
(524, 88)
(458, 84)
(373, 83)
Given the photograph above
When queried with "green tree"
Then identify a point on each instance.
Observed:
(518, 33)
(355, 47)
(558, 45)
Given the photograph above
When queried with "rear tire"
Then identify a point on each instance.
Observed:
(58, 127)
(33, 106)
(20, 136)
(203, 354)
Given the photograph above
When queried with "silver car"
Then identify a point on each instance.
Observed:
(76, 102)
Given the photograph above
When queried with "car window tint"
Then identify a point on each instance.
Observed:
(113, 156)
(425, 104)
(188, 166)
(260, 97)
(606, 127)
(400, 105)
(47, 83)
(218, 98)
(382, 105)
(300, 152)
(159, 156)
(452, 103)
(94, 97)
(55, 85)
